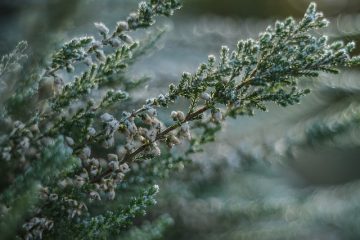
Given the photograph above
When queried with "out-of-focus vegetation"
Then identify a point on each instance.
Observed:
(286, 174)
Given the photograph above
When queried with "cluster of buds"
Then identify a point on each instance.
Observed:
(46, 195)
(178, 116)
(93, 167)
(73, 207)
(111, 126)
(20, 146)
(172, 140)
(36, 226)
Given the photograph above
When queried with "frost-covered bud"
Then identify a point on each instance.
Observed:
(113, 126)
(101, 28)
(108, 143)
(156, 188)
(121, 152)
(75, 212)
(79, 181)
(119, 177)
(48, 224)
(152, 112)
(84, 174)
(151, 134)
(112, 157)
(91, 131)
(102, 163)
(25, 143)
(185, 131)
(265, 38)
(97, 45)
(350, 46)
(187, 135)
(142, 131)
(19, 125)
(124, 168)
(35, 221)
(111, 194)
(130, 146)
(115, 43)
(211, 59)
(114, 165)
(131, 127)
(106, 117)
(69, 141)
(126, 38)
(141, 139)
(85, 153)
(53, 197)
(206, 96)
(157, 124)
(324, 22)
(161, 98)
(58, 84)
(27, 226)
(149, 101)
(217, 115)
(147, 119)
(63, 183)
(156, 150)
(174, 115)
(186, 75)
(122, 26)
(95, 196)
(185, 127)
(94, 161)
(181, 116)
(174, 140)
(94, 170)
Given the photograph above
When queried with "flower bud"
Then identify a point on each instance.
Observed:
(101, 28)
(181, 116)
(91, 131)
(112, 157)
(79, 181)
(114, 165)
(95, 195)
(122, 26)
(53, 197)
(206, 96)
(174, 140)
(152, 112)
(115, 43)
(69, 141)
(156, 151)
(124, 168)
(174, 115)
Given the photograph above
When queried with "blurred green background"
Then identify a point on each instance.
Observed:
(288, 174)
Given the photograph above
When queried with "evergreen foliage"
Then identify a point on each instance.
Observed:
(85, 164)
